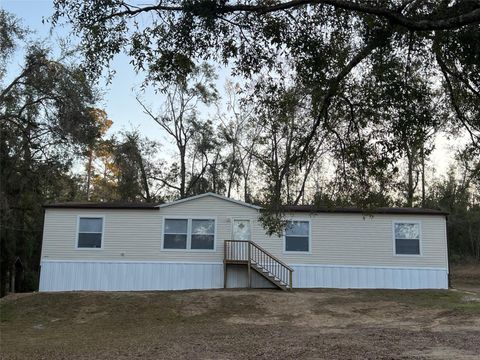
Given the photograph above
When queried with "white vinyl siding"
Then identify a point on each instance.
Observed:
(335, 238)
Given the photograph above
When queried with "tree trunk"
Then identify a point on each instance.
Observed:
(423, 176)
(301, 192)
(277, 193)
(410, 189)
(246, 176)
(287, 185)
(3, 262)
(183, 171)
(231, 171)
(5, 233)
(143, 175)
(89, 172)
(229, 189)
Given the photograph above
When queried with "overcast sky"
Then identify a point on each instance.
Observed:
(119, 96)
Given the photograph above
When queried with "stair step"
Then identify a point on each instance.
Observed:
(264, 263)
(270, 275)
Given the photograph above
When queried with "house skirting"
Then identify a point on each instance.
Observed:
(369, 277)
(138, 276)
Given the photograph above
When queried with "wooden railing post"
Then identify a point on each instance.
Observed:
(249, 266)
(225, 264)
(249, 253)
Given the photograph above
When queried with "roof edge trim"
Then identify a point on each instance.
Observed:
(195, 197)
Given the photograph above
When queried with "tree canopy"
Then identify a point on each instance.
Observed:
(327, 46)
(45, 118)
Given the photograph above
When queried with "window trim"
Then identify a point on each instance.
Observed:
(285, 251)
(102, 216)
(189, 219)
(420, 242)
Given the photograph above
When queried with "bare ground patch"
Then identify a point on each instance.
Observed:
(466, 277)
(228, 324)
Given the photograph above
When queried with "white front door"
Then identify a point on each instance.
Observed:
(242, 230)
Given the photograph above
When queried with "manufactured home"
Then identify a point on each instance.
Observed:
(210, 241)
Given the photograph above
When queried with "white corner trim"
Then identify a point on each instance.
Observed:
(238, 202)
(445, 239)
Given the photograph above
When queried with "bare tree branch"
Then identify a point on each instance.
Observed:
(450, 19)
(463, 119)
(332, 90)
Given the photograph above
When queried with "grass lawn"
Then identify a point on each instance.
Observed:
(228, 324)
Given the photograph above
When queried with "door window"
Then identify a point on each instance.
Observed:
(241, 230)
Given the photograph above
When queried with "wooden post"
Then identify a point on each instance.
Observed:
(224, 274)
(225, 264)
(249, 270)
(290, 276)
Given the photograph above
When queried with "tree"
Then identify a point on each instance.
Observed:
(408, 113)
(240, 133)
(45, 116)
(207, 163)
(124, 168)
(135, 159)
(179, 120)
(457, 197)
(324, 40)
(104, 124)
(283, 118)
(211, 29)
(102, 170)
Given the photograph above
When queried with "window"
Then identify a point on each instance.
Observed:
(407, 238)
(175, 234)
(189, 234)
(90, 232)
(203, 234)
(297, 236)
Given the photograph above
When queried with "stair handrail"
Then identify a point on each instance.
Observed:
(250, 243)
(269, 254)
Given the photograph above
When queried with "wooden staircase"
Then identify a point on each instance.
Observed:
(260, 260)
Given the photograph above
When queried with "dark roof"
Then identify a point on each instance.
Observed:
(102, 205)
(286, 208)
(352, 210)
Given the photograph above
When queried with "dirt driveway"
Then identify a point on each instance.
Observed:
(256, 324)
